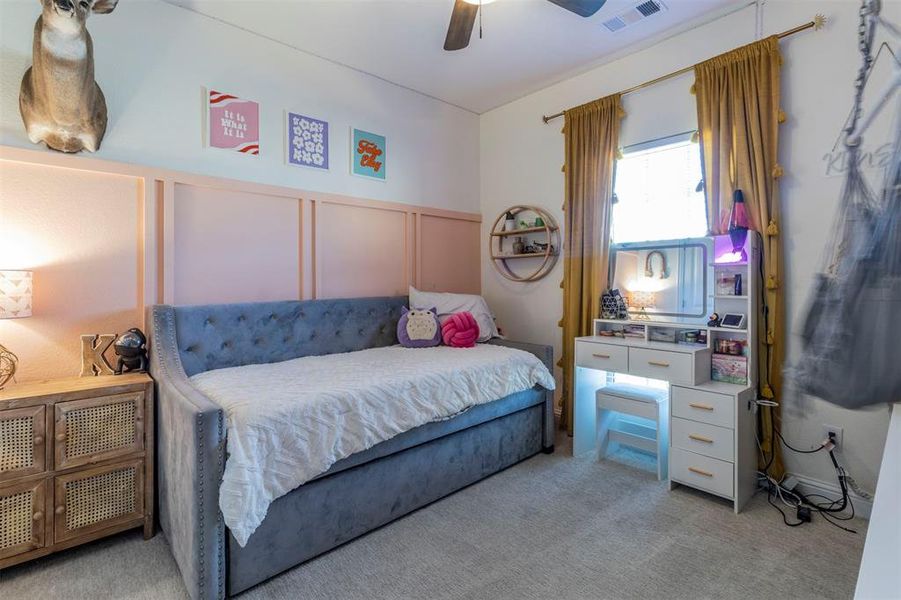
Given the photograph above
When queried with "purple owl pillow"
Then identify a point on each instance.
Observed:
(419, 328)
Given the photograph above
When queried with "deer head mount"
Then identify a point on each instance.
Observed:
(60, 102)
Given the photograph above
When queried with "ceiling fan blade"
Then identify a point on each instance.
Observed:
(460, 28)
(583, 8)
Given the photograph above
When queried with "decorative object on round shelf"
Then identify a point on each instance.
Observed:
(536, 238)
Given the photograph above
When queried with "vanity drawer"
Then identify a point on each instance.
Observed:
(701, 472)
(706, 407)
(605, 357)
(675, 367)
(709, 440)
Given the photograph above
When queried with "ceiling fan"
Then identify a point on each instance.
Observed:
(465, 11)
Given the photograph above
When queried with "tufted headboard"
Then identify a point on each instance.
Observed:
(216, 336)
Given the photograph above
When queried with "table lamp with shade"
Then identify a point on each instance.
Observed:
(642, 300)
(15, 303)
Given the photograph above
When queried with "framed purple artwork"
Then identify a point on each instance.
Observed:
(307, 141)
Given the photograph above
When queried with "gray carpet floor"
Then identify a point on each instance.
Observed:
(550, 527)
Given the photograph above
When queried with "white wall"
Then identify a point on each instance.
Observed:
(521, 159)
(152, 59)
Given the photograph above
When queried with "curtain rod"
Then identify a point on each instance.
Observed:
(816, 24)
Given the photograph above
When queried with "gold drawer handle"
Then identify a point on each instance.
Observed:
(700, 406)
(601, 355)
(38, 440)
(700, 472)
(60, 510)
(658, 363)
(700, 438)
(37, 516)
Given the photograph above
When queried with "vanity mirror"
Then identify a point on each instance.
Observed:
(670, 280)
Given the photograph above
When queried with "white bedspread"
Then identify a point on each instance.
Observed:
(290, 421)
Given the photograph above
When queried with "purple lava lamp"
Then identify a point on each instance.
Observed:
(738, 224)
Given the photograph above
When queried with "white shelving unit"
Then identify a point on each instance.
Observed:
(711, 423)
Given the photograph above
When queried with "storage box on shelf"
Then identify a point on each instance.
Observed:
(76, 463)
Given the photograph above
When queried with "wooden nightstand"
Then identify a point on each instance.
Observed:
(76, 463)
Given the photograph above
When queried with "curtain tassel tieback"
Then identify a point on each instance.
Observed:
(772, 228)
(563, 169)
(560, 323)
(782, 116)
(770, 338)
(778, 171)
(771, 282)
(767, 392)
(693, 90)
(695, 137)
(619, 153)
(559, 363)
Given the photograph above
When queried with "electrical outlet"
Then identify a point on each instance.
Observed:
(837, 434)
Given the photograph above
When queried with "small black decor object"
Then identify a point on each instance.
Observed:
(131, 348)
(608, 306)
(622, 311)
(714, 320)
(738, 289)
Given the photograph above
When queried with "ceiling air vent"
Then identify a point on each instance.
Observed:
(635, 14)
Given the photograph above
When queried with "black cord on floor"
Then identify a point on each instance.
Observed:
(830, 512)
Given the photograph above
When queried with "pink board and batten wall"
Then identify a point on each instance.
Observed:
(107, 239)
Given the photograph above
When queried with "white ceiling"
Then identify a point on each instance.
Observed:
(526, 44)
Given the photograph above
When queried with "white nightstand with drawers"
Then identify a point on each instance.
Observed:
(711, 424)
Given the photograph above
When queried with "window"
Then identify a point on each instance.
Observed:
(656, 192)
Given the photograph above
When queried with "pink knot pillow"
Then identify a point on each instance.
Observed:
(460, 330)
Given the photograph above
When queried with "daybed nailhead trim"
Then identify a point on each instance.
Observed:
(164, 365)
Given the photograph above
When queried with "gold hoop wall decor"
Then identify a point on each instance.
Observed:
(542, 243)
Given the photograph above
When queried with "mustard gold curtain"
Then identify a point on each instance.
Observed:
(591, 137)
(738, 95)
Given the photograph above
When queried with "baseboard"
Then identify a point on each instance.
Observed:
(806, 485)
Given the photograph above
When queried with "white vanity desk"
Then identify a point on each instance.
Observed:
(711, 424)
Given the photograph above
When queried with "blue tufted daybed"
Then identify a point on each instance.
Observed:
(357, 494)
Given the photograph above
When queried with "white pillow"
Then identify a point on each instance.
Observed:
(448, 304)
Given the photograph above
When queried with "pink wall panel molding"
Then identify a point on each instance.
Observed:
(107, 239)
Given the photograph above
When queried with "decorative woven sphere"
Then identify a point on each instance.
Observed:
(460, 330)
(8, 362)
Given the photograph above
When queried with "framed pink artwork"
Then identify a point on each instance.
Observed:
(232, 123)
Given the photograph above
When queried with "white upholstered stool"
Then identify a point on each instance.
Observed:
(626, 399)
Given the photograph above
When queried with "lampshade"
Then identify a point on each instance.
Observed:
(15, 294)
(642, 299)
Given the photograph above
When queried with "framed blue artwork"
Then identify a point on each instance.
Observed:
(307, 141)
(368, 154)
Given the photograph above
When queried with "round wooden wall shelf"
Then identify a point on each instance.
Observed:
(545, 237)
